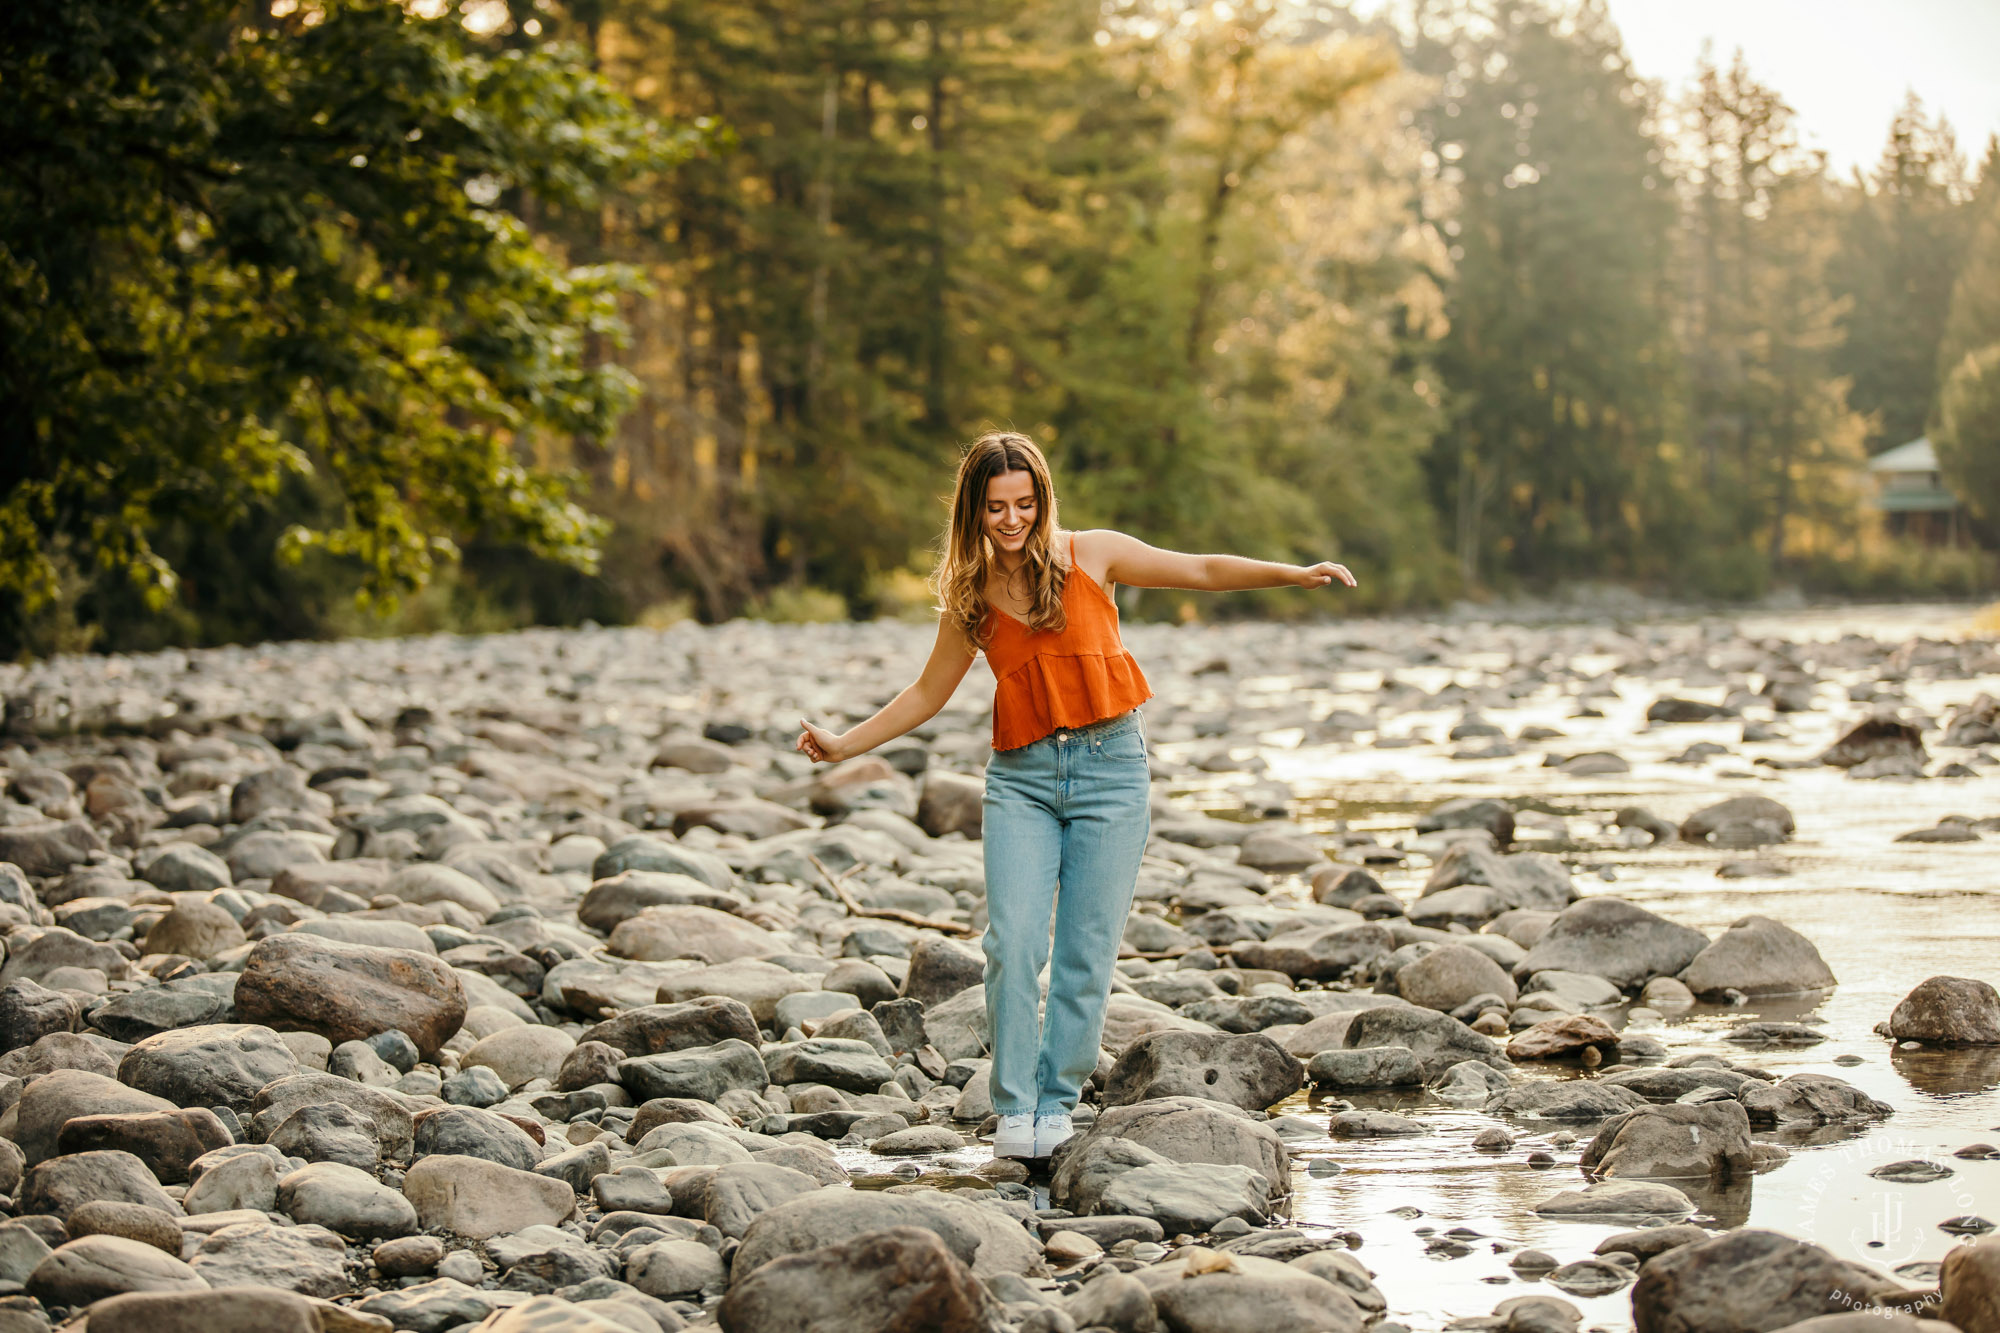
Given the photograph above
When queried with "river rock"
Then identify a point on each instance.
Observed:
(198, 929)
(1877, 738)
(1205, 1291)
(347, 992)
(1749, 1281)
(30, 1011)
(304, 1259)
(219, 1064)
(655, 1029)
(851, 1066)
(1617, 1198)
(1247, 1070)
(475, 1198)
(755, 983)
(1948, 1011)
(898, 1279)
(1969, 1283)
(1750, 809)
(62, 1184)
(703, 1073)
(1758, 956)
(1370, 1067)
(1569, 1037)
(278, 1102)
(95, 1267)
(347, 1200)
(1542, 1099)
(659, 934)
(1810, 1099)
(1611, 938)
(1451, 974)
(167, 1142)
(1438, 1041)
(983, 1238)
(1709, 1139)
(467, 1131)
(246, 1181)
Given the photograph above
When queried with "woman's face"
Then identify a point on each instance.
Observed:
(1010, 511)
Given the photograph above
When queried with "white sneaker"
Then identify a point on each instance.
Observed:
(1015, 1137)
(1051, 1130)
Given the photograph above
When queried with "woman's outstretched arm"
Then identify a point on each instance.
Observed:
(1132, 562)
(919, 702)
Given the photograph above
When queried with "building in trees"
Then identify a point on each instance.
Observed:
(1913, 499)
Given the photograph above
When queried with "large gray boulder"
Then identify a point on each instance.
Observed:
(703, 1073)
(1451, 974)
(1751, 1281)
(217, 1064)
(898, 1279)
(1248, 1070)
(60, 1096)
(1758, 956)
(1438, 1041)
(1611, 938)
(985, 1239)
(1711, 1139)
(1948, 1011)
(350, 992)
(1248, 1292)
(655, 1029)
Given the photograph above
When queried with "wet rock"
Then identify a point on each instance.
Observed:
(1746, 810)
(1671, 710)
(1877, 738)
(1496, 817)
(347, 992)
(1678, 1141)
(898, 1279)
(1324, 954)
(95, 1267)
(472, 1197)
(1611, 938)
(1579, 1100)
(1810, 1099)
(1372, 1125)
(1758, 956)
(1618, 1198)
(219, 1064)
(1749, 1281)
(247, 1310)
(1948, 1011)
(1438, 1041)
(1571, 1037)
(1249, 1070)
(1532, 881)
(1370, 1067)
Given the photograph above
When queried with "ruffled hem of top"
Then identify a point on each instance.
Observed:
(1051, 692)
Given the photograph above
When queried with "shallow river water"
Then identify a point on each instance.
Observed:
(1884, 915)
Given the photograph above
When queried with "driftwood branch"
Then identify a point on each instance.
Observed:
(896, 914)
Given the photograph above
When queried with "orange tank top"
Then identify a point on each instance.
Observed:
(1047, 681)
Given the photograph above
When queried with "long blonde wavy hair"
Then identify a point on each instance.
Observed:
(967, 561)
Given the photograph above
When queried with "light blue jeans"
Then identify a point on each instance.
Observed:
(1071, 808)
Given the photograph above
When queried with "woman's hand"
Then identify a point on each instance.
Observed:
(1323, 573)
(818, 744)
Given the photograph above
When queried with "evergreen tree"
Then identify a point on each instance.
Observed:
(1901, 253)
(1966, 424)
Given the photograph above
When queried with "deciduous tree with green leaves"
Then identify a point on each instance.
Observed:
(237, 247)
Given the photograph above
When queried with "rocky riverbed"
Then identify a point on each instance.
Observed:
(1525, 978)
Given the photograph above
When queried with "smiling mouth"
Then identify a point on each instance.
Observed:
(1015, 533)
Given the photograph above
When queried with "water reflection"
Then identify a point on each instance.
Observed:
(1948, 1073)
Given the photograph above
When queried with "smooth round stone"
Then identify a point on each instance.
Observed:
(1917, 1172)
(409, 1256)
(918, 1139)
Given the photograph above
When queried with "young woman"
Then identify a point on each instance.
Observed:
(1067, 788)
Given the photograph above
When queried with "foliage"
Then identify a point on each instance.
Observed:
(237, 249)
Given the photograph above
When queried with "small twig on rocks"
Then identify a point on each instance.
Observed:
(881, 913)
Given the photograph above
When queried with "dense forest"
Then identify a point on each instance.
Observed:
(358, 316)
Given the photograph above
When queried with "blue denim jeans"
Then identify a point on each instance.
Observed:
(1069, 809)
